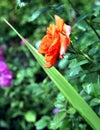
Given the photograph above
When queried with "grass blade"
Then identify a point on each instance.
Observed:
(65, 87)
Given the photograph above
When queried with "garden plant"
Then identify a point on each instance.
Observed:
(57, 85)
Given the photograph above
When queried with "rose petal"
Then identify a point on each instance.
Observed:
(67, 29)
(65, 42)
(59, 22)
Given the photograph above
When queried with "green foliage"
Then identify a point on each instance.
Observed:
(64, 86)
(58, 120)
(42, 123)
(30, 116)
(31, 90)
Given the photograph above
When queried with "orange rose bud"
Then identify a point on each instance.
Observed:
(56, 41)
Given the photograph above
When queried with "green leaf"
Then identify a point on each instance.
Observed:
(71, 111)
(97, 20)
(97, 89)
(60, 101)
(95, 101)
(88, 88)
(96, 10)
(3, 124)
(30, 116)
(62, 64)
(92, 89)
(42, 123)
(37, 13)
(57, 122)
(65, 87)
(20, 3)
(82, 17)
(17, 113)
(60, 98)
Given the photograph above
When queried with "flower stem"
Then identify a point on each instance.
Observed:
(82, 53)
(88, 23)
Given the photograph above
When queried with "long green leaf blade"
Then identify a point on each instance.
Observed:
(65, 87)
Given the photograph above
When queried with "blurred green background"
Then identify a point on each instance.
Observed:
(29, 102)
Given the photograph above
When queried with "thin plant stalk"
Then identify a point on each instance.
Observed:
(65, 87)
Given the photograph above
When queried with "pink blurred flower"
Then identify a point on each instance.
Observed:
(56, 110)
(5, 75)
(3, 66)
(22, 42)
